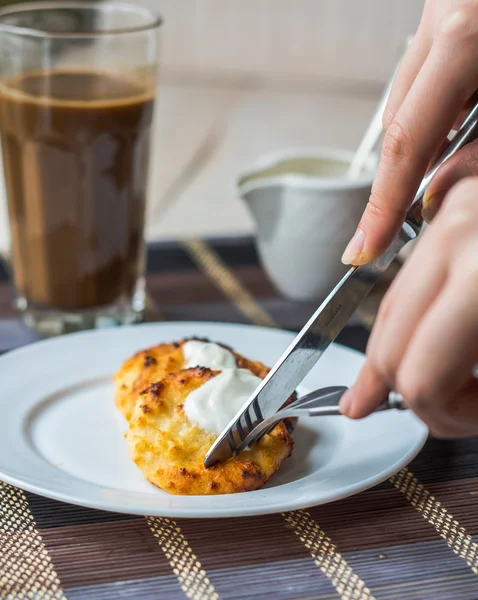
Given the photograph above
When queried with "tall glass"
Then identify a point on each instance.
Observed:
(77, 89)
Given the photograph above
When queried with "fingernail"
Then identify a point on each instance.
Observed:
(354, 249)
(345, 402)
(431, 205)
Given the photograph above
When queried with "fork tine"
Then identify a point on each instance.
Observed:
(248, 420)
(232, 442)
(257, 410)
(240, 431)
(264, 427)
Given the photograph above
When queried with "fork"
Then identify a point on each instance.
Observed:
(323, 402)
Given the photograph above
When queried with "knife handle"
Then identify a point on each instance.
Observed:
(467, 133)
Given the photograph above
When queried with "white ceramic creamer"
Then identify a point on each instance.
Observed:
(306, 211)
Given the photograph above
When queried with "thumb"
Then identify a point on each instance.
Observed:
(463, 164)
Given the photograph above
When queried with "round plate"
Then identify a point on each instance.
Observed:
(62, 437)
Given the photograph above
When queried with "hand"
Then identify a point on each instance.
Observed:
(433, 90)
(425, 341)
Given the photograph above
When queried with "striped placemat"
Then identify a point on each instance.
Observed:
(413, 537)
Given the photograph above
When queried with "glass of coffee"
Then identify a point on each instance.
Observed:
(77, 88)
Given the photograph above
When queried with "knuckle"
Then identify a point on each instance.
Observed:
(414, 390)
(463, 193)
(453, 228)
(452, 408)
(385, 309)
(387, 118)
(458, 26)
(385, 365)
(461, 419)
(443, 431)
(377, 210)
(397, 144)
(459, 212)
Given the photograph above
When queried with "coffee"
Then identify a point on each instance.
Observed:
(75, 150)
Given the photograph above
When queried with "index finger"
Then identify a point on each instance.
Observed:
(422, 123)
(408, 70)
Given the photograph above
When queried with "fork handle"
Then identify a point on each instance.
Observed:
(394, 401)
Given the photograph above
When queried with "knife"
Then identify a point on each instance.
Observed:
(329, 319)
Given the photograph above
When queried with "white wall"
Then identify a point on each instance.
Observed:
(312, 40)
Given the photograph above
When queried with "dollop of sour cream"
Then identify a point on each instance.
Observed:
(212, 406)
(206, 354)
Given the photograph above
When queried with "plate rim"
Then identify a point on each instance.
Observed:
(201, 513)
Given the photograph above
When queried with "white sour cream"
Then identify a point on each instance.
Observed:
(206, 354)
(212, 406)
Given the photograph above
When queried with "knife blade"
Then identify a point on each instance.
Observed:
(328, 320)
(305, 350)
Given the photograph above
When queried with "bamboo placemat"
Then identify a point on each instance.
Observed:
(412, 537)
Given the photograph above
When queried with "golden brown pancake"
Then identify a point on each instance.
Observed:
(170, 450)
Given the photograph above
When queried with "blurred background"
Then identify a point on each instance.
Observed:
(243, 77)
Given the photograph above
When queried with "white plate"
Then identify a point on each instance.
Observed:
(62, 437)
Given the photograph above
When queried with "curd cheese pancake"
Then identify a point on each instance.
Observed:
(178, 398)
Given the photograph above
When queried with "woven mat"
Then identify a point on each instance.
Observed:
(412, 537)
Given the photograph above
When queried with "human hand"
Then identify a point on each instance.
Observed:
(433, 90)
(424, 343)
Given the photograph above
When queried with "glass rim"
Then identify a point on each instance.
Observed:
(153, 19)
